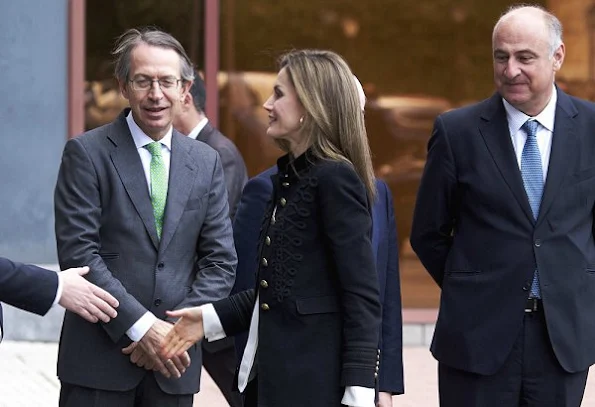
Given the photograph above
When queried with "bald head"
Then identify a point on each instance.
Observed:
(538, 18)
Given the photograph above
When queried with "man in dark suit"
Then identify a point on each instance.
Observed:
(192, 121)
(247, 224)
(36, 290)
(504, 225)
(146, 208)
(219, 357)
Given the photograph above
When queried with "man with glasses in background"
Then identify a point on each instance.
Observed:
(146, 208)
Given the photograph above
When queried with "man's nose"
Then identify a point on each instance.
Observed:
(155, 91)
(512, 69)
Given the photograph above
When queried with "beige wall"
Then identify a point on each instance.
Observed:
(573, 15)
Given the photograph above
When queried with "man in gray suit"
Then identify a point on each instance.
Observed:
(146, 208)
(192, 121)
(219, 357)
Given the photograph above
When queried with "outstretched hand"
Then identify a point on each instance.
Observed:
(84, 298)
(186, 332)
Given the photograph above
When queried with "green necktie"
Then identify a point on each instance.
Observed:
(158, 184)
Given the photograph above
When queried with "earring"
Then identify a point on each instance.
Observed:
(301, 120)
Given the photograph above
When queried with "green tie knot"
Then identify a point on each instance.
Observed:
(154, 148)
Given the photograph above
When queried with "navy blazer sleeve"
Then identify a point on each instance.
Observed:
(27, 287)
(391, 340)
(246, 229)
(435, 208)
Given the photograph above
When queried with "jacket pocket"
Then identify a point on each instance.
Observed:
(317, 305)
(582, 175)
(109, 256)
(462, 273)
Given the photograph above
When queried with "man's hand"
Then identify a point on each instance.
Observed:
(186, 332)
(146, 352)
(384, 399)
(84, 298)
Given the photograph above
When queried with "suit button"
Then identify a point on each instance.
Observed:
(375, 375)
(157, 302)
(160, 265)
(283, 201)
(264, 306)
(267, 241)
(285, 184)
(538, 243)
(264, 284)
(526, 287)
(264, 262)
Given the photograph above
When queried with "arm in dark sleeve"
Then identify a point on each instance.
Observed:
(246, 230)
(391, 342)
(434, 214)
(347, 224)
(217, 260)
(27, 287)
(77, 209)
(235, 312)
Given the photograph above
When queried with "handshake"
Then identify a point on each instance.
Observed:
(164, 347)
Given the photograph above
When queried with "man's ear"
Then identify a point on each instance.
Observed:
(559, 57)
(123, 89)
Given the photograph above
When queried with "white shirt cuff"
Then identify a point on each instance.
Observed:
(59, 290)
(211, 323)
(141, 327)
(357, 396)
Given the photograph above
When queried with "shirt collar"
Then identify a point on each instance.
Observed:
(141, 139)
(198, 128)
(516, 118)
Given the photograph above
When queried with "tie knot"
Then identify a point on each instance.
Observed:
(154, 148)
(530, 127)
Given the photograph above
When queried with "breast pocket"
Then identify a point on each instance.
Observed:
(582, 175)
(195, 203)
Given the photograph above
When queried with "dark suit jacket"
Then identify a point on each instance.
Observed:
(249, 217)
(104, 218)
(27, 287)
(232, 162)
(474, 232)
(319, 303)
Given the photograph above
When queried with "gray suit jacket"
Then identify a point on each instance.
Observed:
(104, 219)
(233, 164)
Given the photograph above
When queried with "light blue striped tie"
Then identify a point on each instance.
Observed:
(533, 180)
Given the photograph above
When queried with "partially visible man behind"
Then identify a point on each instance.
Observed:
(504, 225)
(146, 208)
(36, 290)
(219, 357)
(192, 121)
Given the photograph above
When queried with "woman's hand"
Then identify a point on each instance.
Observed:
(186, 332)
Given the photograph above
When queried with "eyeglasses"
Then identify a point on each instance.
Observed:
(144, 84)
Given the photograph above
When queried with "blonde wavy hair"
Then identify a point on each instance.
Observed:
(334, 121)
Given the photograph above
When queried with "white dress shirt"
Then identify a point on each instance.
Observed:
(354, 396)
(197, 129)
(142, 326)
(545, 130)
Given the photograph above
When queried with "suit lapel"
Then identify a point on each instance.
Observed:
(182, 172)
(130, 169)
(563, 153)
(494, 130)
